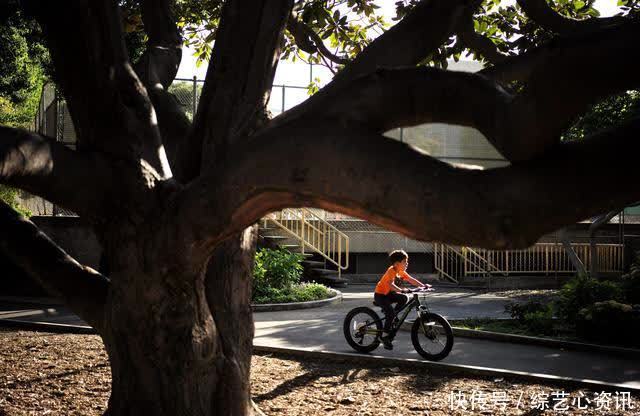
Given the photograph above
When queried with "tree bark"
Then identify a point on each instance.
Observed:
(593, 247)
(541, 12)
(573, 257)
(170, 353)
(229, 282)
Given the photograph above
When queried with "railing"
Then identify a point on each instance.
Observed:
(448, 262)
(314, 233)
(542, 258)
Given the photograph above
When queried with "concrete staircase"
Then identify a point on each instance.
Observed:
(316, 267)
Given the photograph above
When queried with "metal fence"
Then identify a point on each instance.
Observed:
(542, 258)
(283, 97)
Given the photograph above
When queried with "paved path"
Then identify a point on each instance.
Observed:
(321, 329)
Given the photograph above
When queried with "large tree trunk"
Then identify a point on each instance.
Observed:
(174, 347)
(229, 287)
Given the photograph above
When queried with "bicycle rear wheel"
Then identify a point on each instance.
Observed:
(432, 336)
(362, 328)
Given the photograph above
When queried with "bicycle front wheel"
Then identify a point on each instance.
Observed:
(432, 336)
(362, 328)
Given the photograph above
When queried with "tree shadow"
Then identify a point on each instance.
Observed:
(348, 372)
(30, 381)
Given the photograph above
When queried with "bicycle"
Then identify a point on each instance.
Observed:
(363, 323)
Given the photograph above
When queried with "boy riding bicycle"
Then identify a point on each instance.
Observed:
(387, 292)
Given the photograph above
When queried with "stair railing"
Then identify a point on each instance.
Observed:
(315, 233)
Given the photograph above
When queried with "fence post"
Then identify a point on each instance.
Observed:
(339, 256)
(506, 262)
(546, 260)
(195, 95)
(302, 233)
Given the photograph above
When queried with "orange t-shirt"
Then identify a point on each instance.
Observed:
(384, 285)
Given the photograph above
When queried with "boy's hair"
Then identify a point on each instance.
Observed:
(397, 255)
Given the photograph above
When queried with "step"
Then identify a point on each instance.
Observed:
(332, 281)
(275, 237)
(324, 271)
(290, 246)
(313, 263)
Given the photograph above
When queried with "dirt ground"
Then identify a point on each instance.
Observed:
(52, 374)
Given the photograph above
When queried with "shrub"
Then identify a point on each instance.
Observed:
(275, 269)
(519, 310)
(533, 315)
(276, 279)
(540, 321)
(609, 321)
(583, 291)
(631, 286)
(305, 292)
(302, 292)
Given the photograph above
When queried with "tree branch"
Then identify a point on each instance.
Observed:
(478, 43)
(411, 40)
(46, 168)
(407, 43)
(367, 176)
(570, 53)
(571, 253)
(157, 68)
(519, 126)
(309, 41)
(540, 12)
(239, 78)
(83, 289)
(560, 87)
(159, 63)
(390, 98)
(92, 68)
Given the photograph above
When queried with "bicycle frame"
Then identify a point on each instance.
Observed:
(402, 314)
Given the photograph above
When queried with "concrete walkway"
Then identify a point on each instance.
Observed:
(321, 330)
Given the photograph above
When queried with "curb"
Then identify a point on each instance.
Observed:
(539, 341)
(443, 368)
(47, 327)
(273, 307)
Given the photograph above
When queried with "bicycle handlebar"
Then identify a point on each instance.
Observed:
(420, 290)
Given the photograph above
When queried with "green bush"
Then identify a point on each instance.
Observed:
(583, 291)
(631, 286)
(305, 292)
(540, 321)
(275, 269)
(302, 292)
(609, 321)
(519, 310)
(535, 316)
(276, 279)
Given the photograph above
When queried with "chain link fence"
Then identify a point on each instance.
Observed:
(454, 144)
